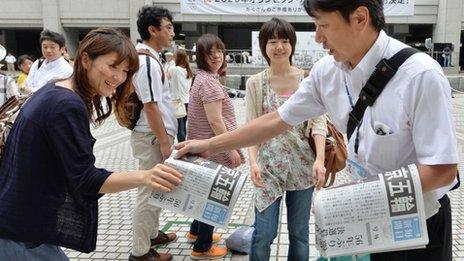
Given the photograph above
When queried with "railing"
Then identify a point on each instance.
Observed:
(440, 57)
(242, 57)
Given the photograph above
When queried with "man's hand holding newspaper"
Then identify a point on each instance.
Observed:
(377, 214)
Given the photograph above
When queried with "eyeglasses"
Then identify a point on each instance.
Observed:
(170, 27)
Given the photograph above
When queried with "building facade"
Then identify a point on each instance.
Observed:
(22, 20)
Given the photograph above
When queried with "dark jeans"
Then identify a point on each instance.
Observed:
(205, 236)
(439, 247)
(182, 131)
(16, 250)
(267, 222)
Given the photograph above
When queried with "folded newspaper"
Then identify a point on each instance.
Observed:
(208, 191)
(378, 214)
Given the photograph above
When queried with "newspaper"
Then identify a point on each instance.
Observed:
(208, 191)
(378, 214)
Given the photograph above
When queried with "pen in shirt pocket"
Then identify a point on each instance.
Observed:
(381, 128)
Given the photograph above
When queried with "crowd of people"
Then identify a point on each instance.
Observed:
(49, 162)
(51, 67)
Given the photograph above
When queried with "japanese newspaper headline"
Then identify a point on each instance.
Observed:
(378, 214)
(208, 191)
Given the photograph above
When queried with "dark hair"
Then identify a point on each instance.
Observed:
(182, 60)
(23, 58)
(99, 42)
(47, 35)
(347, 7)
(204, 45)
(150, 15)
(276, 29)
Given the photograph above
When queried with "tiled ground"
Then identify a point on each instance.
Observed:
(114, 235)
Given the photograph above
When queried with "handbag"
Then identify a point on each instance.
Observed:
(335, 153)
(180, 110)
(240, 240)
(8, 113)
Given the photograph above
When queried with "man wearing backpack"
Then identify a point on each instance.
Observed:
(410, 122)
(52, 66)
(154, 133)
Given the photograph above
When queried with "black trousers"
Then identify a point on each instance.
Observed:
(182, 126)
(205, 236)
(439, 247)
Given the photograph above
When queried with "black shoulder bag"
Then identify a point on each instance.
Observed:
(133, 106)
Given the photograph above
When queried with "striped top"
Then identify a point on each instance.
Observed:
(206, 89)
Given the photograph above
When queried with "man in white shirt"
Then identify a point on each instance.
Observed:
(10, 61)
(167, 66)
(154, 133)
(415, 105)
(53, 66)
(169, 61)
(8, 87)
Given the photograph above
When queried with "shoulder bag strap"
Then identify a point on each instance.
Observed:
(5, 83)
(384, 71)
(261, 92)
(41, 60)
(148, 53)
(149, 78)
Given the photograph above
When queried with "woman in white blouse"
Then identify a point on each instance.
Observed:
(180, 77)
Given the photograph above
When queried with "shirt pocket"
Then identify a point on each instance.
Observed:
(384, 152)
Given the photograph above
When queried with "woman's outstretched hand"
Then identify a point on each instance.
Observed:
(163, 178)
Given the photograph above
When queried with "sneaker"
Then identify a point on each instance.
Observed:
(191, 238)
(152, 255)
(163, 239)
(215, 252)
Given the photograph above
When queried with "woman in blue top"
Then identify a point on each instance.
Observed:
(49, 185)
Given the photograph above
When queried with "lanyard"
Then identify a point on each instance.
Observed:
(356, 141)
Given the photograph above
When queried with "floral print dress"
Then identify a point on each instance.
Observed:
(285, 161)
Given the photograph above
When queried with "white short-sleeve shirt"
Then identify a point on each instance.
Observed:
(415, 105)
(158, 92)
(58, 69)
(180, 84)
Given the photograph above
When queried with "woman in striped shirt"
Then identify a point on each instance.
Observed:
(210, 113)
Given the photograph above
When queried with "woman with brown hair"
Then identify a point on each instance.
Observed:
(180, 77)
(49, 185)
(211, 113)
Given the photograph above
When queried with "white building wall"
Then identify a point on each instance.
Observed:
(64, 15)
(24, 13)
(94, 13)
(448, 26)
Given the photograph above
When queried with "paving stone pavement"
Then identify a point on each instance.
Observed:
(113, 152)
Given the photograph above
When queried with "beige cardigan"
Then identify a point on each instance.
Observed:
(254, 108)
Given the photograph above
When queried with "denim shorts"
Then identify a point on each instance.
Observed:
(14, 250)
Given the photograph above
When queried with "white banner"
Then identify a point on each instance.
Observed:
(243, 7)
(275, 7)
(398, 7)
